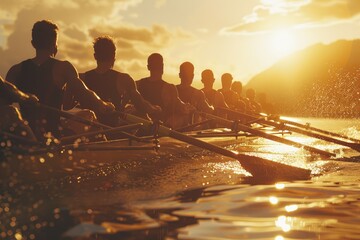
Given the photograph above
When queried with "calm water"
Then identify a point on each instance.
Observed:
(195, 195)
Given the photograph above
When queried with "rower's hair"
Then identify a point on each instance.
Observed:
(44, 34)
(237, 87)
(207, 74)
(104, 48)
(187, 67)
(226, 80)
(154, 59)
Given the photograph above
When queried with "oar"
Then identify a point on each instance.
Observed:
(262, 134)
(355, 146)
(83, 120)
(93, 133)
(308, 127)
(20, 138)
(192, 126)
(258, 167)
(263, 116)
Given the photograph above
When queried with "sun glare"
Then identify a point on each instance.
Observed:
(282, 43)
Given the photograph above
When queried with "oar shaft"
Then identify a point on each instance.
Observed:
(352, 145)
(319, 130)
(259, 133)
(19, 138)
(111, 130)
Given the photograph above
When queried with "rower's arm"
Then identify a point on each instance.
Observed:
(78, 89)
(140, 103)
(13, 73)
(203, 104)
(220, 100)
(171, 98)
(13, 94)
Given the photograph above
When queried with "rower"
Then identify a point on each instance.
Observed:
(11, 120)
(243, 103)
(191, 95)
(46, 77)
(114, 86)
(255, 107)
(213, 97)
(231, 97)
(158, 92)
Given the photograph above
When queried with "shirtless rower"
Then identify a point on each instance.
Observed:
(114, 86)
(213, 97)
(158, 92)
(189, 94)
(231, 97)
(46, 77)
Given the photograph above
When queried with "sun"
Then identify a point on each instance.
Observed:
(282, 42)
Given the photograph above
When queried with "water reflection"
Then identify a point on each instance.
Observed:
(196, 195)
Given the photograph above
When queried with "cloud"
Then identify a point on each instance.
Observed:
(280, 14)
(80, 21)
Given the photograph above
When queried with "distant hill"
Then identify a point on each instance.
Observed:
(319, 81)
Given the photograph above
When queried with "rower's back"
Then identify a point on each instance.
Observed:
(106, 85)
(39, 80)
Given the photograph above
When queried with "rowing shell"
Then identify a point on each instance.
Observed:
(72, 160)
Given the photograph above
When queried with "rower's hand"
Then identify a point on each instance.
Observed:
(106, 107)
(188, 108)
(32, 98)
(28, 98)
(155, 113)
(155, 110)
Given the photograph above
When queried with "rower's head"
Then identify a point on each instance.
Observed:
(186, 73)
(104, 51)
(250, 94)
(207, 78)
(155, 65)
(226, 81)
(44, 36)
(237, 87)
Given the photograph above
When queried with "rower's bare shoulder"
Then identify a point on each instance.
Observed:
(63, 65)
(13, 72)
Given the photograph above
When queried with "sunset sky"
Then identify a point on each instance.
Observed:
(242, 37)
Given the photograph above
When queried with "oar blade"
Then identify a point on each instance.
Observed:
(271, 171)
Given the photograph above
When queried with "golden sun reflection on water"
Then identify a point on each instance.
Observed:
(282, 223)
(230, 166)
(273, 200)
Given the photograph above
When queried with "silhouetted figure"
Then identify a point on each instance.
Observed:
(11, 120)
(266, 107)
(213, 97)
(158, 92)
(46, 77)
(243, 103)
(231, 97)
(111, 85)
(189, 94)
(255, 107)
